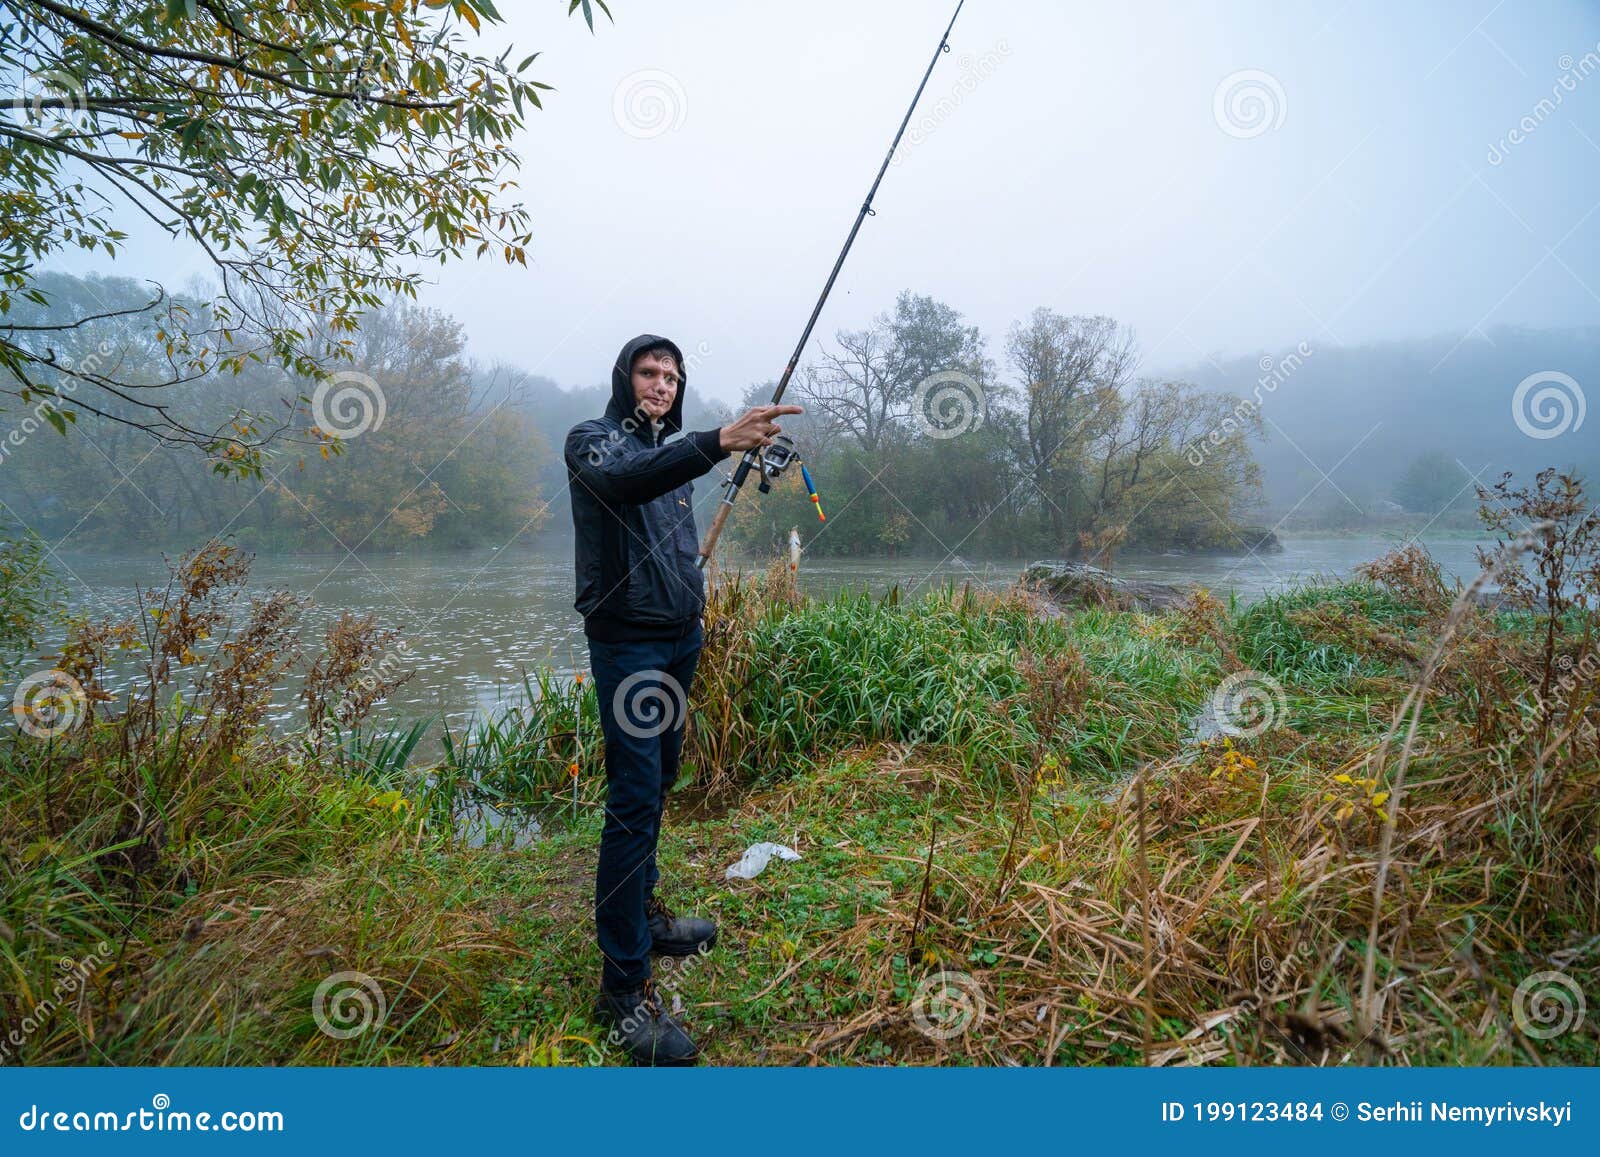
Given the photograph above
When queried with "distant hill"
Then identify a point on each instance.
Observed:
(1378, 407)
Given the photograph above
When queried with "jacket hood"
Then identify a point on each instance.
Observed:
(622, 406)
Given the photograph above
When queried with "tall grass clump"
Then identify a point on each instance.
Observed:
(176, 881)
(1400, 868)
(784, 681)
(542, 752)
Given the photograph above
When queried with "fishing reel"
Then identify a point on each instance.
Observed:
(773, 460)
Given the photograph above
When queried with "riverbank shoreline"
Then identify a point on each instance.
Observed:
(1013, 851)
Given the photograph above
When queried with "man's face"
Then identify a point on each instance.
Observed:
(655, 384)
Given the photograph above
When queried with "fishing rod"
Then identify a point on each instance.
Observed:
(771, 461)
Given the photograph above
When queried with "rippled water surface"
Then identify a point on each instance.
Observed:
(476, 620)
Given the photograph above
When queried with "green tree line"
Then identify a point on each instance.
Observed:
(924, 443)
(411, 443)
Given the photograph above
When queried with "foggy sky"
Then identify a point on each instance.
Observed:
(1069, 155)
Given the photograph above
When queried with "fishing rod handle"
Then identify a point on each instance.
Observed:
(730, 491)
(714, 533)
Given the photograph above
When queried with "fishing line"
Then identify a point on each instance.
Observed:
(770, 461)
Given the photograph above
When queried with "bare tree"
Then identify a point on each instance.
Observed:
(1137, 472)
(854, 389)
(1073, 371)
(869, 384)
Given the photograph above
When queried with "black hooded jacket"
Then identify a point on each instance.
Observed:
(633, 513)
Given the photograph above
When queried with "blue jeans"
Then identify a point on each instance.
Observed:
(643, 689)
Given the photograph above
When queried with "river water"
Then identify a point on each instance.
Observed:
(474, 621)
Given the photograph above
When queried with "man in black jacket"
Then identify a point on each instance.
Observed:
(641, 597)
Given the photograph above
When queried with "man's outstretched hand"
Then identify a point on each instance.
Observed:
(755, 427)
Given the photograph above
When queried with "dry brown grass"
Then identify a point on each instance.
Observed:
(1304, 897)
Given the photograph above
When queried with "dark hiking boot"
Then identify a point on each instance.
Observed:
(642, 1025)
(674, 935)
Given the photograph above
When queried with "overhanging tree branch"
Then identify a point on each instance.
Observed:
(314, 154)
